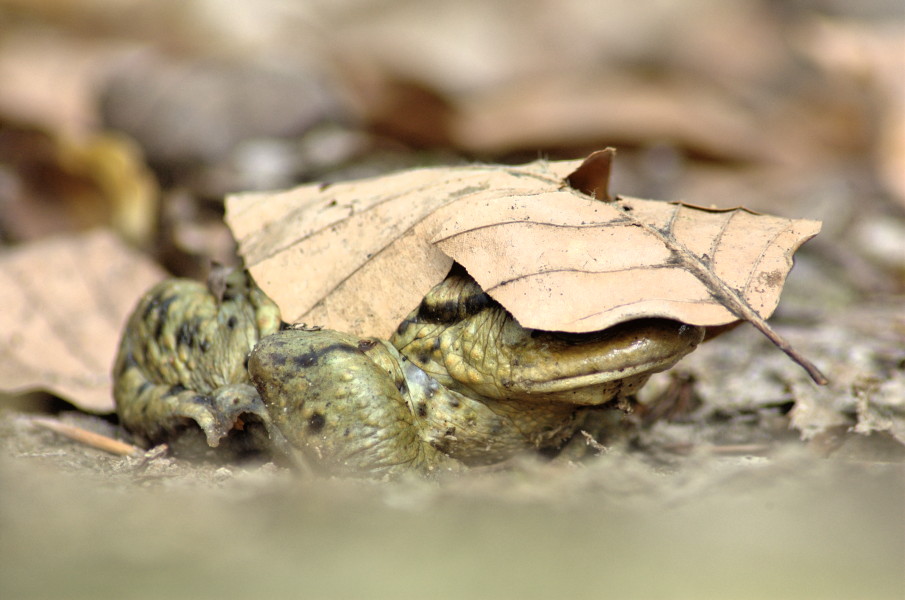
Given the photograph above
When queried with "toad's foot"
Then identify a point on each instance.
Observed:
(165, 412)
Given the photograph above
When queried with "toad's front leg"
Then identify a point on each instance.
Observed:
(182, 359)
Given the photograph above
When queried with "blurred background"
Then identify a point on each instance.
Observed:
(141, 115)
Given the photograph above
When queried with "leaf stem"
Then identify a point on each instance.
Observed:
(816, 375)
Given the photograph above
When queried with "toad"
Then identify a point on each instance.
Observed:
(460, 382)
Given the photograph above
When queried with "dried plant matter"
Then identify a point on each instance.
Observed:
(359, 256)
(65, 301)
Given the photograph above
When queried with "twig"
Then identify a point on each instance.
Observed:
(89, 438)
(731, 299)
(592, 178)
(593, 443)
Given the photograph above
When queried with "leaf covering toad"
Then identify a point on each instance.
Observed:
(459, 383)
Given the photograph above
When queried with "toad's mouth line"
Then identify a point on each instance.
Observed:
(575, 382)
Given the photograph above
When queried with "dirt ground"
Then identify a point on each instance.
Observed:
(77, 524)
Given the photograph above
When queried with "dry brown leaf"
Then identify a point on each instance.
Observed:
(50, 80)
(870, 56)
(65, 301)
(630, 259)
(570, 109)
(359, 256)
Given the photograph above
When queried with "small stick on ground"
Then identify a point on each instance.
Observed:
(89, 438)
(593, 443)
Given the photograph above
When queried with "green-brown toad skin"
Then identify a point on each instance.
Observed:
(343, 402)
(182, 358)
(460, 383)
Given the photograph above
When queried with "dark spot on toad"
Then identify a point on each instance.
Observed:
(475, 303)
(154, 303)
(232, 322)
(161, 310)
(406, 323)
(201, 399)
(205, 345)
(454, 403)
(438, 312)
(305, 360)
(185, 335)
(129, 362)
(316, 422)
(310, 358)
(422, 409)
(452, 310)
(402, 386)
(175, 389)
(276, 358)
(365, 345)
(149, 307)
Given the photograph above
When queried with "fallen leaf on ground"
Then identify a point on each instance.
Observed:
(50, 79)
(868, 57)
(580, 110)
(65, 301)
(359, 256)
